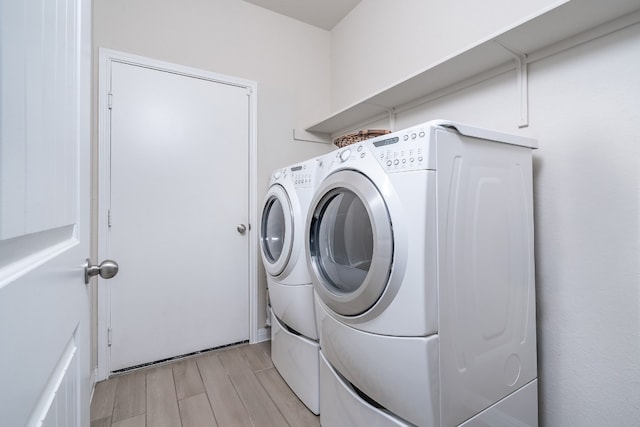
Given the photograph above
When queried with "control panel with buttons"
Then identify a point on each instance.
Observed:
(302, 176)
(396, 152)
(400, 152)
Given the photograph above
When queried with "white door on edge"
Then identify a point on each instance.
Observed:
(44, 212)
(179, 191)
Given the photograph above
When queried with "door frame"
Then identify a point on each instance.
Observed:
(106, 58)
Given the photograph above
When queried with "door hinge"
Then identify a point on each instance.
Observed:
(110, 100)
(109, 218)
(109, 337)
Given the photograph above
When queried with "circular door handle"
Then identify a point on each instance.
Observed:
(107, 269)
(241, 228)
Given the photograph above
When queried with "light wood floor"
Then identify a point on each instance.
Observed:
(234, 387)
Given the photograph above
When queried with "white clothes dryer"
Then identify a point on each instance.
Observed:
(282, 245)
(282, 225)
(420, 249)
(294, 335)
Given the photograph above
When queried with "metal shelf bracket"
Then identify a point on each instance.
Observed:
(315, 137)
(522, 81)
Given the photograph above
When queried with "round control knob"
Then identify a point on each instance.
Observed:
(389, 163)
(344, 156)
(276, 175)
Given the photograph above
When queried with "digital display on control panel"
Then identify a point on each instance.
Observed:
(384, 142)
(296, 168)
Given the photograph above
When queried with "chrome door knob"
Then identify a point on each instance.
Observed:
(241, 228)
(107, 269)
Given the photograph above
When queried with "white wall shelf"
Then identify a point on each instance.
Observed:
(565, 25)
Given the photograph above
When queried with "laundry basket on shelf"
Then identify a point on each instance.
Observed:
(352, 138)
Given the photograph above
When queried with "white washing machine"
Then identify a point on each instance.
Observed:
(294, 334)
(420, 249)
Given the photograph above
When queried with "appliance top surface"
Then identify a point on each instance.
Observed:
(464, 129)
(413, 148)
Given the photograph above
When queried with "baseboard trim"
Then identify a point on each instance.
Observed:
(92, 381)
(264, 334)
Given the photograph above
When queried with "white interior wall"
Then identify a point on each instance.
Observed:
(288, 59)
(382, 42)
(585, 114)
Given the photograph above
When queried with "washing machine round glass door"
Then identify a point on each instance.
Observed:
(276, 230)
(350, 243)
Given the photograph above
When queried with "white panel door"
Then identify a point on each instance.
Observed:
(179, 190)
(44, 212)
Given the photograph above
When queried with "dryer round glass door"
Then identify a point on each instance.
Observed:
(276, 229)
(350, 243)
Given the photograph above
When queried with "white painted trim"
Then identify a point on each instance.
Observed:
(104, 136)
(107, 57)
(264, 334)
(253, 214)
(92, 383)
